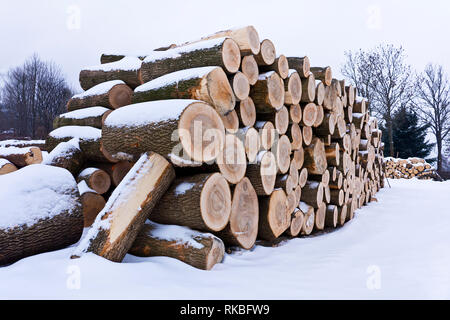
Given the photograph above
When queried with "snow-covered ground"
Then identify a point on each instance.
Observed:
(398, 248)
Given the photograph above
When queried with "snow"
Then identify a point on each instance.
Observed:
(13, 142)
(3, 162)
(127, 63)
(179, 234)
(81, 132)
(85, 113)
(264, 76)
(100, 88)
(60, 150)
(183, 187)
(174, 77)
(6, 151)
(140, 114)
(87, 171)
(177, 52)
(33, 193)
(304, 206)
(83, 188)
(403, 238)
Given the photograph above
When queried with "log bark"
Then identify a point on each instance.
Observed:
(327, 125)
(249, 67)
(242, 229)
(6, 167)
(221, 52)
(113, 57)
(262, 174)
(67, 155)
(273, 216)
(359, 105)
(308, 89)
(130, 131)
(200, 250)
(315, 157)
(301, 64)
(312, 193)
(91, 117)
(126, 69)
(33, 225)
(285, 182)
(21, 157)
(280, 66)
(268, 92)
(246, 112)
(96, 179)
(342, 214)
(331, 216)
(332, 154)
(208, 84)
(201, 202)
(111, 94)
(117, 225)
(267, 53)
(337, 197)
(323, 74)
(292, 88)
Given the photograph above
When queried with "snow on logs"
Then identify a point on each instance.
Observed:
(91, 117)
(41, 211)
(21, 157)
(67, 155)
(160, 126)
(117, 225)
(6, 166)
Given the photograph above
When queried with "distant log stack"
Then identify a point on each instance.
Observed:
(409, 168)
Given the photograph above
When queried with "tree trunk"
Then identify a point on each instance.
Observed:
(91, 117)
(117, 171)
(111, 94)
(118, 224)
(126, 69)
(273, 216)
(208, 84)
(222, 52)
(242, 229)
(35, 225)
(201, 202)
(262, 174)
(200, 250)
(331, 216)
(268, 92)
(152, 126)
(21, 157)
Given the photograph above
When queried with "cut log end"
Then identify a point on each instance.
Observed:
(232, 161)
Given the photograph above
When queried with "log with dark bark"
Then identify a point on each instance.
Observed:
(21, 157)
(127, 208)
(126, 69)
(242, 229)
(201, 201)
(164, 127)
(280, 66)
(31, 222)
(200, 250)
(324, 74)
(273, 216)
(301, 64)
(249, 67)
(268, 92)
(96, 179)
(331, 216)
(221, 52)
(112, 94)
(113, 57)
(342, 214)
(279, 118)
(208, 84)
(67, 155)
(262, 173)
(91, 117)
(297, 221)
(312, 193)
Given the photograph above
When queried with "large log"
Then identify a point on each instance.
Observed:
(41, 211)
(262, 173)
(91, 117)
(67, 155)
(268, 92)
(315, 157)
(249, 67)
(126, 69)
(273, 216)
(242, 229)
(24, 143)
(302, 65)
(201, 201)
(200, 250)
(222, 52)
(6, 166)
(167, 127)
(117, 225)
(21, 157)
(112, 94)
(208, 84)
(96, 179)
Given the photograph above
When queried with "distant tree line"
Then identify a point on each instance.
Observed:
(409, 104)
(31, 96)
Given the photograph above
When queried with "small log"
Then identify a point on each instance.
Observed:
(285, 182)
(41, 212)
(359, 105)
(92, 203)
(267, 133)
(126, 69)
(320, 93)
(298, 157)
(96, 179)
(267, 53)
(350, 91)
(312, 193)
(327, 125)
(240, 85)
(273, 216)
(114, 57)
(308, 89)
(303, 177)
(294, 134)
(21, 157)
(319, 116)
(315, 157)
(221, 52)
(282, 149)
(323, 74)
(116, 171)
(67, 155)
(200, 250)
(331, 216)
(6, 167)
(320, 213)
(307, 134)
(337, 197)
(292, 88)
(230, 121)
(309, 114)
(111, 94)
(268, 92)
(91, 117)
(232, 160)
(302, 65)
(249, 67)
(252, 142)
(342, 214)
(117, 225)
(280, 118)
(280, 66)
(262, 174)
(202, 201)
(246, 112)
(309, 220)
(332, 154)
(297, 221)
(295, 113)
(242, 229)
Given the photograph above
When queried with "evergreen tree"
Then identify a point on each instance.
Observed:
(409, 135)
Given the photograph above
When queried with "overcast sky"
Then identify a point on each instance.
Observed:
(74, 33)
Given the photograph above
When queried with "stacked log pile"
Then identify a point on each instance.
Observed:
(218, 142)
(397, 168)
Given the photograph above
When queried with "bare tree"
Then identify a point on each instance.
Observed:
(382, 76)
(34, 94)
(433, 102)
